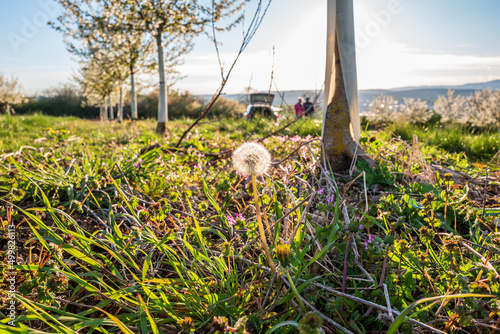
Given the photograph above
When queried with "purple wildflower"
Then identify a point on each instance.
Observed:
(137, 164)
(321, 191)
(230, 220)
(240, 219)
(361, 227)
(331, 199)
(369, 241)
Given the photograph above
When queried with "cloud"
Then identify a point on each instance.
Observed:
(395, 65)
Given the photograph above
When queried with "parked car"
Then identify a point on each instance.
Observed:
(262, 103)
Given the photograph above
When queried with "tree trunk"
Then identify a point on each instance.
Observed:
(162, 98)
(341, 117)
(111, 113)
(101, 112)
(120, 107)
(338, 143)
(133, 96)
(105, 109)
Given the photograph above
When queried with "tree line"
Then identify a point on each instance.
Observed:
(480, 109)
(115, 40)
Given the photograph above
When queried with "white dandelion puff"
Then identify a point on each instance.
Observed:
(251, 159)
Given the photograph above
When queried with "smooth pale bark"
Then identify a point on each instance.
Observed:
(111, 113)
(101, 112)
(120, 108)
(105, 109)
(341, 126)
(133, 96)
(162, 98)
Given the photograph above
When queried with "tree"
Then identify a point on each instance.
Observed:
(10, 93)
(341, 125)
(452, 108)
(484, 107)
(383, 108)
(172, 25)
(92, 31)
(96, 85)
(416, 111)
(131, 48)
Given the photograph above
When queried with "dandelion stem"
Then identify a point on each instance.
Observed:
(261, 227)
(290, 280)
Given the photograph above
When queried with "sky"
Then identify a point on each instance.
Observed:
(399, 43)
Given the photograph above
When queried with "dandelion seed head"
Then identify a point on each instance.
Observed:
(251, 159)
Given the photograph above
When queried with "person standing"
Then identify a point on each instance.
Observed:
(299, 108)
(309, 107)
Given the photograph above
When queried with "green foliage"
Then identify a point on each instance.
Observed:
(184, 105)
(59, 105)
(121, 231)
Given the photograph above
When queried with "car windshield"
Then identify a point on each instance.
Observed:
(262, 98)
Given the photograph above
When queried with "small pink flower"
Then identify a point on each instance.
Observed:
(371, 238)
(321, 191)
(138, 163)
(230, 220)
(160, 162)
(295, 139)
(331, 199)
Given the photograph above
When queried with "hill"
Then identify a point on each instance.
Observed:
(426, 93)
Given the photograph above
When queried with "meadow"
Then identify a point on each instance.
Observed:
(119, 230)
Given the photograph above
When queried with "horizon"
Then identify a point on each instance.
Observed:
(400, 43)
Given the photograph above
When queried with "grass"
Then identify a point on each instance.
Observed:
(477, 144)
(119, 231)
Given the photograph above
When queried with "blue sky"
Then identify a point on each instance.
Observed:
(399, 43)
